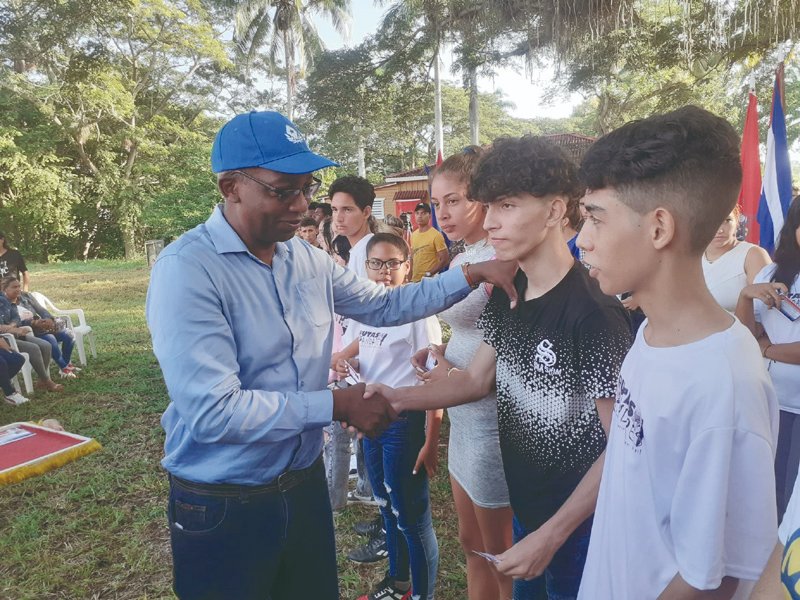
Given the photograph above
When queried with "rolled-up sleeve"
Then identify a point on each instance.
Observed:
(196, 349)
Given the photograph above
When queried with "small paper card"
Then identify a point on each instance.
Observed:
(490, 557)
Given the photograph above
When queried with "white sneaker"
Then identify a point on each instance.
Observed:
(66, 373)
(16, 399)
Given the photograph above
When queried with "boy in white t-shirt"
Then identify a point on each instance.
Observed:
(686, 507)
(400, 461)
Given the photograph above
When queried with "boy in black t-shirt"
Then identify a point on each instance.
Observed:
(12, 263)
(554, 360)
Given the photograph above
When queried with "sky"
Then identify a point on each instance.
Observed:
(523, 91)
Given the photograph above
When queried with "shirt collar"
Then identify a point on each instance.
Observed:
(226, 240)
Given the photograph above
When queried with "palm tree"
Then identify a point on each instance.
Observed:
(287, 26)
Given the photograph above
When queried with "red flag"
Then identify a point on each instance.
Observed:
(439, 159)
(750, 193)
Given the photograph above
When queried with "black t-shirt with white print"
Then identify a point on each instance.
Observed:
(556, 355)
(12, 263)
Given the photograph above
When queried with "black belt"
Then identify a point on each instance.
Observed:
(283, 483)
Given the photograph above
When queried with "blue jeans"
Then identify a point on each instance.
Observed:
(562, 577)
(64, 353)
(10, 364)
(405, 503)
(786, 460)
(275, 545)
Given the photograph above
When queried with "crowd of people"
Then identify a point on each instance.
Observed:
(621, 378)
(32, 331)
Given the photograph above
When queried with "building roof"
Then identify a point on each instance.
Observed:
(411, 195)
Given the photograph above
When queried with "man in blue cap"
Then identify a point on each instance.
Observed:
(241, 316)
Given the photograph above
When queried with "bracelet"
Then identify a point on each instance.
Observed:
(764, 353)
(451, 369)
(465, 270)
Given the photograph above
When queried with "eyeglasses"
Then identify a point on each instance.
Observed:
(287, 195)
(377, 264)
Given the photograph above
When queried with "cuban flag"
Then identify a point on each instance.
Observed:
(776, 190)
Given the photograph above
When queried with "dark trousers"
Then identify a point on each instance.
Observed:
(10, 364)
(562, 577)
(786, 460)
(276, 545)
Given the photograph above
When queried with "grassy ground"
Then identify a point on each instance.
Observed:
(95, 529)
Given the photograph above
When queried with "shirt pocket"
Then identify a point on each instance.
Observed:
(313, 296)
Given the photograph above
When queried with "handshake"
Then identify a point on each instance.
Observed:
(368, 408)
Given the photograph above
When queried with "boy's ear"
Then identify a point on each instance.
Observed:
(368, 211)
(558, 211)
(662, 228)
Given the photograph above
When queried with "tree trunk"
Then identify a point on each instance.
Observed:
(474, 119)
(437, 108)
(288, 54)
(362, 167)
(129, 239)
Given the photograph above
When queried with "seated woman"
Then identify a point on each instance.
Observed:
(10, 364)
(39, 352)
(34, 315)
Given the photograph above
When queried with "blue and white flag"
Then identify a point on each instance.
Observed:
(776, 190)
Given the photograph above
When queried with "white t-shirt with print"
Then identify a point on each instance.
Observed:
(688, 484)
(384, 353)
(785, 377)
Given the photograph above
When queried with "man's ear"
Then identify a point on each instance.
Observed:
(368, 211)
(227, 187)
(662, 228)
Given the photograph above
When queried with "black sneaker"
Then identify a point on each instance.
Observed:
(386, 590)
(369, 529)
(373, 551)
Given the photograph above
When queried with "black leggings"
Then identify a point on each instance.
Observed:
(10, 364)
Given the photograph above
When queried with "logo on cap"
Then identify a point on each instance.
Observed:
(293, 135)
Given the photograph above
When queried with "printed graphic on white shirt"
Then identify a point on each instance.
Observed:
(629, 418)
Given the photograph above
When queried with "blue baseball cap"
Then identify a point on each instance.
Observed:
(264, 139)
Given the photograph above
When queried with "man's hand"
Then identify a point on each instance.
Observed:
(529, 557)
(370, 415)
(497, 272)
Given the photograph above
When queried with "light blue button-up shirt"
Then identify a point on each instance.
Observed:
(245, 348)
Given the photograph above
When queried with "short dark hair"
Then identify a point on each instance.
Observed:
(423, 206)
(391, 239)
(309, 222)
(312, 206)
(326, 208)
(686, 160)
(7, 281)
(525, 165)
(360, 189)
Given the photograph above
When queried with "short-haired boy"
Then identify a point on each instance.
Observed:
(309, 231)
(402, 458)
(687, 501)
(351, 201)
(554, 361)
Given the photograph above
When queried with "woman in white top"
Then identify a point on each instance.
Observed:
(729, 264)
(476, 467)
(761, 307)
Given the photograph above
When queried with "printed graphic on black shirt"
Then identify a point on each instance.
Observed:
(12, 263)
(556, 355)
(629, 419)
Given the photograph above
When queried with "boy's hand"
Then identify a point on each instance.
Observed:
(429, 458)
(529, 557)
(497, 272)
(768, 293)
(378, 390)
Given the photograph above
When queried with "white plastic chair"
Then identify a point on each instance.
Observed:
(80, 331)
(26, 370)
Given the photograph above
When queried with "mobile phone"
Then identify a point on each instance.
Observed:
(788, 307)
